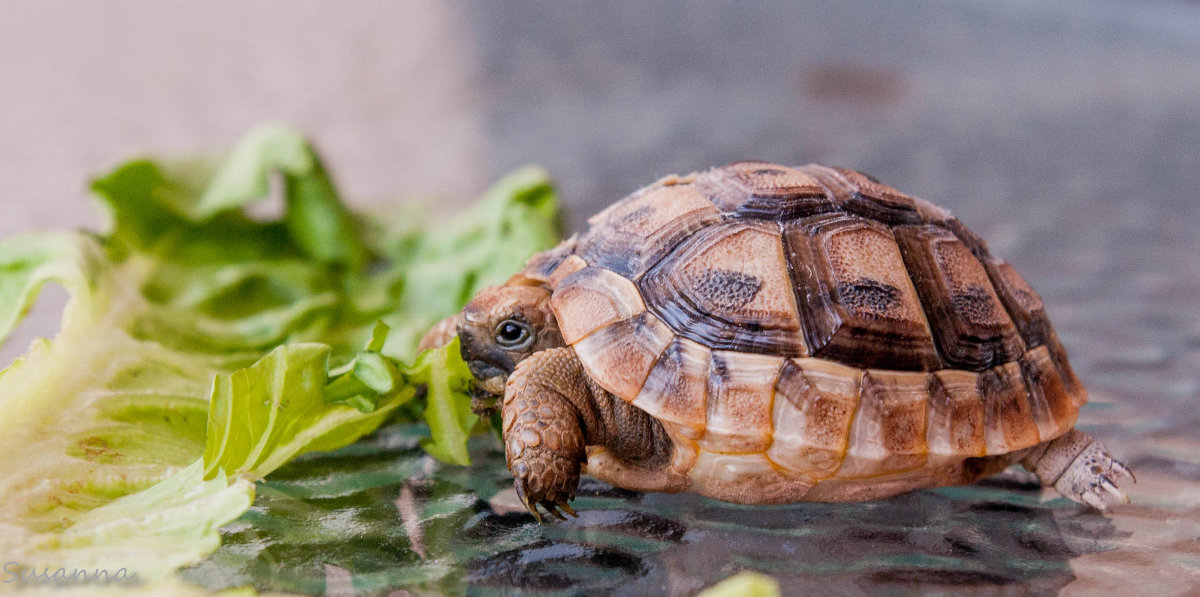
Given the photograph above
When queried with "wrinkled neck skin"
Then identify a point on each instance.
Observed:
(626, 431)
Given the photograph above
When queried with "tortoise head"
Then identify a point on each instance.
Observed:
(502, 326)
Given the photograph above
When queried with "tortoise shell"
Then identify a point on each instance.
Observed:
(808, 321)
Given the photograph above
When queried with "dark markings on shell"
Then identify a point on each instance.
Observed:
(676, 389)
(855, 318)
(848, 274)
(728, 289)
(1009, 420)
(974, 303)
(969, 323)
(956, 414)
(635, 232)
(769, 172)
(1054, 408)
(792, 384)
(718, 375)
(978, 248)
(867, 296)
(1023, 305)
(720, 367)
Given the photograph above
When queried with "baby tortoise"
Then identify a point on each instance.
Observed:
(762, 334)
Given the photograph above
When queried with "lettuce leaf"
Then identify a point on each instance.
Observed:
(445, 375)
(264, 415)
(202, 348)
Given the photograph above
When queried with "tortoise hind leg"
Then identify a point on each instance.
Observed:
(1080, 468)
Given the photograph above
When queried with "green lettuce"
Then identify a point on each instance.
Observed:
(202, 348)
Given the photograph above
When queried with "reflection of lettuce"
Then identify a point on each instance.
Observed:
(201, 348)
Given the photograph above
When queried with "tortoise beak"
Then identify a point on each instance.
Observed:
(488, 377)
(489, 366)
(488, 387)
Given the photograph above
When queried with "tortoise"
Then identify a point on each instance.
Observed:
(763, 334)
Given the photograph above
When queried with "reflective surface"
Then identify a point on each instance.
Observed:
(381, 515)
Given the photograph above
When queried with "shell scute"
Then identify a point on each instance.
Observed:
(1024, 305)
(676, 390)
(1058, 355)
(1054, 407)
(1008, 422)
(859, 306)
(541, 267)
(862, 195)
(592, 298)
(977, 246)
(888, 432)
(728, 288)
(619, 356)
(634, 233)
(815, 401)
(931, 213)
(741, 387)
(569, 265)
(972, 329)
(765, 190)
(956, 417)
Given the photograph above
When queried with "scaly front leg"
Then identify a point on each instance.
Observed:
(552, 410)
(544, 434)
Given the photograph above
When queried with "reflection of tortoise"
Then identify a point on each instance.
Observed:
(763, 334)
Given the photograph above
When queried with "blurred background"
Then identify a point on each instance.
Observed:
(975, 105)
(1065, 132)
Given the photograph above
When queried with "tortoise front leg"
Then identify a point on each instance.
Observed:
(552, 410)
(544, 436)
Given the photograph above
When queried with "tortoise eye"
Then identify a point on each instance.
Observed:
(513, 334)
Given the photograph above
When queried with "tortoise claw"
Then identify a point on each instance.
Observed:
(520, 488)
(543, 441)
(1120, 471)
(549, 506)
(1093, 478)
(555, 505)
(1094, 501)
(567, 508)
(1107, 485)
